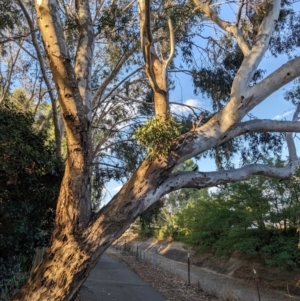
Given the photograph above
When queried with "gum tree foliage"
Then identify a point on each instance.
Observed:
(95, 62)
(9, 15)
(29, 183)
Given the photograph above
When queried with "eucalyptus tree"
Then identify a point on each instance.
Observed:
(92, 54)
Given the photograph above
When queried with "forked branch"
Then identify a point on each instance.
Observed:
(147, 42)
(156, 69)
(255, 55)
(205, 7)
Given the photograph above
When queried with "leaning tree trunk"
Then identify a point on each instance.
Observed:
(74, 249)
(79, 237)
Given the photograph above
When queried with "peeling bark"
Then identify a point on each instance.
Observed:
(72, 254)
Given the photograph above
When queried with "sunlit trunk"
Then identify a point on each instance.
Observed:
(76, 245)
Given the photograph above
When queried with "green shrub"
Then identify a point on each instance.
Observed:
(29, 181)
(243, 218)
(281, 251)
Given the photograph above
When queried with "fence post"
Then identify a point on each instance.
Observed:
(256, 282)
(137, 252)
(154, 259)
(189, 269)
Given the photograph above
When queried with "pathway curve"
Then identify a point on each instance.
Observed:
(111, 280)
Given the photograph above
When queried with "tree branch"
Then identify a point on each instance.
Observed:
(254, 57)
(209, 179)
(40, 58)
(289, 137)
(156, 70)
(263, 126)
(198, 141)
(84, 54)
(224, 25)
(9, 76)
(273, 82)
(124, 10)
(147, 43)
(241, 96)
(4, 39)
(152, 104)
(172, 44)
(24, 49)
(97, 10)
(98, 94)
(238, 18)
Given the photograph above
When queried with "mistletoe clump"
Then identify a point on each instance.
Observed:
(158, 135)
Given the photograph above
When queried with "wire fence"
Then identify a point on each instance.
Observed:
(151, 256)
(222, 286)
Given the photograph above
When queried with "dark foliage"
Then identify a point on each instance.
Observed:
(147, 218)
(9, 14)
(29, 181)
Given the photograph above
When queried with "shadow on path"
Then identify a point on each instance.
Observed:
(111, 280)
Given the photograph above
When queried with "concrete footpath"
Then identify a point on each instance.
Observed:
(111, 280)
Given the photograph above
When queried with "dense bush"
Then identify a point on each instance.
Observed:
(256, 217)
(29, 182)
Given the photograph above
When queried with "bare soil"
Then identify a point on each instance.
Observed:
(171, 287)
(241, 266)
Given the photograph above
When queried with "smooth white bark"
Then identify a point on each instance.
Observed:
(205, 7)
(209, 179)
(273, 82)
